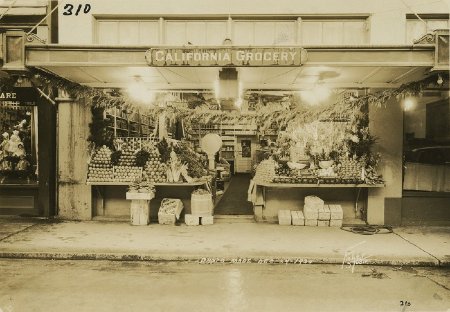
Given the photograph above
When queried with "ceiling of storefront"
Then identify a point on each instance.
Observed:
(255, 78)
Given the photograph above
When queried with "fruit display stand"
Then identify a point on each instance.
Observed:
(109, 198)
(140, 207)
(172, 167)
(268, 198)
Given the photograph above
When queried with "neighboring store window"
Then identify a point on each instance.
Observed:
(334, 32)
(195, 32)
(18, 163)
(264, 32)
(416, 28)
(127, 32)
(427, 145)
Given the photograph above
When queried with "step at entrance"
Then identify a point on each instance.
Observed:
(234, 219)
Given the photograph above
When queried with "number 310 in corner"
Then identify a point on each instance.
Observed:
(69, 9)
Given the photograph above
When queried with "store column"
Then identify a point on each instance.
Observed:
(46, 157)
(74, 196)
(386, 124)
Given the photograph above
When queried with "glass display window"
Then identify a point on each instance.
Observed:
(18, 149)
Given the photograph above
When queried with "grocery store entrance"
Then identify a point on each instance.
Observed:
(234, 201)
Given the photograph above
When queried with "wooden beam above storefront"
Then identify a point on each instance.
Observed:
(96, 55)
(337, 67)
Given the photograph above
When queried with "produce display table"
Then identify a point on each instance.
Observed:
(109, 198)
(268, 198)
(140, 207)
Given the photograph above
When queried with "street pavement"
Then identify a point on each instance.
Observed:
(68, 285)
(221, 242)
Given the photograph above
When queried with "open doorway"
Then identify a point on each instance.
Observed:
(234, 200)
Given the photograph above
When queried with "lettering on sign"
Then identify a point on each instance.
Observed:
(8, 95)
(232, 56)
(22, 95)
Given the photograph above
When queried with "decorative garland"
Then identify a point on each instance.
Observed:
(264, 116)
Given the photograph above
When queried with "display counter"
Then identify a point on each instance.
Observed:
(109, 198)
(269, 198)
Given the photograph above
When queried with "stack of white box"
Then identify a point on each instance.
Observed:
(324, 216)
(336, 215)
(191, 219)
(313, 205)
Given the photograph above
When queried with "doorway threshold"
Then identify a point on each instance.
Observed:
(234, 219)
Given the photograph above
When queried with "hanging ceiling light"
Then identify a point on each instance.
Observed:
(139, 92)
(318, 94)
(228, 84)
(409, 104)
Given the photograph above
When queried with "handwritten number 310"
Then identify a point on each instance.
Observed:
(68, 8)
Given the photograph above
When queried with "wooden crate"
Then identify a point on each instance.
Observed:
(284, 217)
(297, 218)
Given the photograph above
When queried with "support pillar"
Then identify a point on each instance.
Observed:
(74, 196)
(386, 123)
(46, 157)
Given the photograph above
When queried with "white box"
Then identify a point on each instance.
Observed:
(337, 223)
(310, 213)
(284, 217)
(140, 212)
(202, 205)
(324, 213)
(140, 196)
(336, 212)
(297, 218)
(323, 222)
(191, 219)
(164, 218)
(207, 220)
(311, 222)
(313, 201)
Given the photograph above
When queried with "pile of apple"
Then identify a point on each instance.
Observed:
(350, 170)
(127, 173)
(100, 168)
(155, 170)
(127, 158)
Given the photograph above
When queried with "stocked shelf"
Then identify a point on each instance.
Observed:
(156, 184)
(128, 124)
(297, 185)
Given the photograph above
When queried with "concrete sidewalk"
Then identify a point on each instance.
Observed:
(427, 246)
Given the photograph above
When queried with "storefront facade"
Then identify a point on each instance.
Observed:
(350, 47)
(27, 121)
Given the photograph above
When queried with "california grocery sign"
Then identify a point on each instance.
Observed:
(226, 56)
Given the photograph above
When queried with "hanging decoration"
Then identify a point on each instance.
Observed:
(265, 116)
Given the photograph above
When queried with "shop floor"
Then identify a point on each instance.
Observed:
(234, 201)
